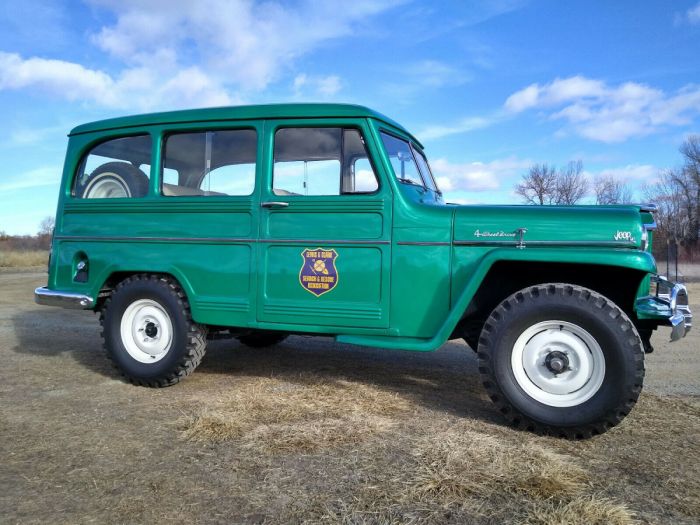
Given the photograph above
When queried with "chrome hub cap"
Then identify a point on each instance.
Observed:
(558, 363)
(107, 186)
(146, 331)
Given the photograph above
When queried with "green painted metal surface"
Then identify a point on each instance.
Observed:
(406, 264)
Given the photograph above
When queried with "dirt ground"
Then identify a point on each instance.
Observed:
(317, 432)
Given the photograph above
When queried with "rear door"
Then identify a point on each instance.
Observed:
(325, 228)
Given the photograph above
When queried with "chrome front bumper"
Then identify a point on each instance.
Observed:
(681, 319)
(43, 295)
(671, 302)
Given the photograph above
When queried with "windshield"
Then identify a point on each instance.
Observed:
(425, 170)
(409, 164)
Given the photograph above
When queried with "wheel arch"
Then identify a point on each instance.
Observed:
(112, 277)
(615, 275)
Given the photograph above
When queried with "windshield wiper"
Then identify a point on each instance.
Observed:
(409, 181)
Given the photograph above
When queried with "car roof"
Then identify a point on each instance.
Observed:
(253, 112)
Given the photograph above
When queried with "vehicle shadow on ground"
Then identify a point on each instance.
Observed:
(446, 380)
(51, 332)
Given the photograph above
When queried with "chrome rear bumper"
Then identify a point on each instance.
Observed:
(43, 295)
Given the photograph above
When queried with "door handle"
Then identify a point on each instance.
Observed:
(274, 204)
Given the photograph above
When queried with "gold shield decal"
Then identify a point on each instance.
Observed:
(318, 274)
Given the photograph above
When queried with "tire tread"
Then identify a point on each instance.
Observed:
(585, 296)
(196, 333)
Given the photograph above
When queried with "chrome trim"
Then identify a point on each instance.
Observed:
(588, 244)
(650, 226)
(108, 238)
(318, 242)
(520, 232)
(46, 297)
(274, 204)
(681, 319)
(649, 208)
(422, 243)
(214, 240)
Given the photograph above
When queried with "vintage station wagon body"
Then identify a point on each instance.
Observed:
(375, 256)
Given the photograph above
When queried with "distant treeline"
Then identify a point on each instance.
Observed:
(24, 242)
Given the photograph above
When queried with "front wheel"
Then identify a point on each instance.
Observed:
(561, 359)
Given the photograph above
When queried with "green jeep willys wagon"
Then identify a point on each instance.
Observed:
(262, 221)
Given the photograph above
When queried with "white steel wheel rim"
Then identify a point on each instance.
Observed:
(146, 331)
(107, 186)
(585, 363)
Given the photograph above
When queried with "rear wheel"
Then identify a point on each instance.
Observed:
(149, 333)
(561, 359)
(262, 339)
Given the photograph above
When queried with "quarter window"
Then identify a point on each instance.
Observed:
(115, 168)
(210, 163)
(321, 161)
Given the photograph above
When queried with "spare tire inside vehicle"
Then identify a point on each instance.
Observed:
(114, 180)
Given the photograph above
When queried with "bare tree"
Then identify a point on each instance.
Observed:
(571, 185)
(609, 190)
(47, 225)
(545, 184)
(671, 215)
(688, 180)
(677, 195)
(538, 185)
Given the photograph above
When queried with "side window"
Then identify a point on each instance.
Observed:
(115, 168)
(321, 161)
(402, 160)
(210, 163)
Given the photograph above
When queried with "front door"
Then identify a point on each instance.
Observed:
(325, 238)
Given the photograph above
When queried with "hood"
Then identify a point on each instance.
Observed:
(600, 226)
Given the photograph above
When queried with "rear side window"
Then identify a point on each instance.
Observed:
(321, 161)
(210, 163)
(117, 168)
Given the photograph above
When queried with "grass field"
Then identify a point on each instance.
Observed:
(312, 431)
(23, 258)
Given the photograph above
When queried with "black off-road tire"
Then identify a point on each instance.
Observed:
(189, 338)
(132, 179)
(610, 327)
(262, 339)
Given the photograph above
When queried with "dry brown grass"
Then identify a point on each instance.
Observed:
(313, 431)
(303, 415)
(22, 258)
(585, 510)
(457, 464)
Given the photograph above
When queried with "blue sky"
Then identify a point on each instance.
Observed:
(489, 87)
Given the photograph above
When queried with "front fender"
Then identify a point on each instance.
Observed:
(625, 258)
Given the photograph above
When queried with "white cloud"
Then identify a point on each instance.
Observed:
(475, 176)
(72, 80)
(693, 14)
(248, 43)
(632, 173)
(306, 86)
(139, 88)
(194, 54)
(45, 176)
(561, 90)
(463, 126)
(606, 113)
(412, 78)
